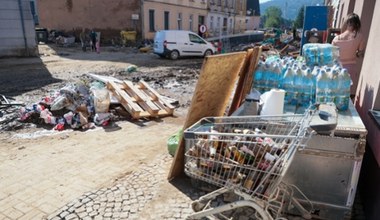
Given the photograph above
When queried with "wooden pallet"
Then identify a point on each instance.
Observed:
(140, 100)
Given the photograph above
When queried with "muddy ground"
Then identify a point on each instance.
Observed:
(32, 152)
(27, 80)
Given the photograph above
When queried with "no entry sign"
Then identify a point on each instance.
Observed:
(202, 28)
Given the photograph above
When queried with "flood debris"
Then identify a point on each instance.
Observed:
(86, 105)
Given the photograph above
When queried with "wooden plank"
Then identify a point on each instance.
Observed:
(141, 98)
(124, 99)
(248, 82)
(213, 90)
(104, 79)
(156, 96)
(246, 79)
(135, 100)
(239, 87)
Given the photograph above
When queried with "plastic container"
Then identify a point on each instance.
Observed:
(101, 100)
(251, 104)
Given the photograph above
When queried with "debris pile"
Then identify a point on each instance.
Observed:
(85, 105)
(75, 105)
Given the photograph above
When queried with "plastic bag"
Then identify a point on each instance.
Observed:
(101, 100)
(173, 142)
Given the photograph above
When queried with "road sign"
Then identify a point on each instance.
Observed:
(202, 28)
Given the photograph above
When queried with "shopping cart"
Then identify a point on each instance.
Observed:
(248, 156)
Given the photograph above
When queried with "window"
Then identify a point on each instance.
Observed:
(201, 19)
(151, 20)
(219, 2)
(195, 39)
(225, 24)
(218, 23)
(231, 26)
(166, 20)
(179, 21)
(212, 22)
(191, 22)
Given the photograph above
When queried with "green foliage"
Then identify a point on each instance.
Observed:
(298, 23)
(272, 22)
(273, 11)
(273, 17)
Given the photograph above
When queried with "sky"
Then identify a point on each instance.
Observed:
(262, 1)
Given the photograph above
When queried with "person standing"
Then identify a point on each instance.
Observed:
(93, 40)
(351, 47)
(82, 37)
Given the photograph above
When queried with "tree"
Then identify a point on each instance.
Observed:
(273, 17)
(298, 23)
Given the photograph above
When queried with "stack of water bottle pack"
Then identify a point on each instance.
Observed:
(316, 54)
(304, 85)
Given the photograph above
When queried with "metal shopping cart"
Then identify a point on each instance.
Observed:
(248, 156)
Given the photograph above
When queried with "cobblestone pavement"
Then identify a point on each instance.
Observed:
(135, 196)
(143, 194)
(146, 194)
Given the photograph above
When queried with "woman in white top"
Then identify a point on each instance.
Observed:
(351, 47)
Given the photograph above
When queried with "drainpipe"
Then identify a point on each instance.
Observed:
(142, 20)
(23, 27)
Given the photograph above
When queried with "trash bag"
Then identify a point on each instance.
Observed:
(173, 142)
(131, 68)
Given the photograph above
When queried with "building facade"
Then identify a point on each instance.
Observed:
(367, 95)
(17, 34)
(240, 16)
(253, 15)
(172, 15)
(106, 16)
(220, 17)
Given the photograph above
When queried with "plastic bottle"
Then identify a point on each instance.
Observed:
(321, 86)
(267, 76)
(298, 86)
(343, 94)
(308, 88)
(277, 74)
(288, 85)
(258, 76)
(334, 85)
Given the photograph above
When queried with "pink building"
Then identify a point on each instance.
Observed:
(108, 17)
(367, 96)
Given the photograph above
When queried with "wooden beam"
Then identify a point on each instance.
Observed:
(246, 79)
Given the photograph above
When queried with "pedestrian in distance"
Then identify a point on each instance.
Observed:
(93, 40)
(351, 48)
(82, 37)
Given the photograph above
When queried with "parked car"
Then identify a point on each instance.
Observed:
(177, 43)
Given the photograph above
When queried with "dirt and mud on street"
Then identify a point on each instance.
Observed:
(43, 172)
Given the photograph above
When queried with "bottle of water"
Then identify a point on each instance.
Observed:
(315, 73)
(343, 95)
(277, 75)
(266, 77)
(258, 76)
(322, 87)
(288, 84)
(298, 86)
(334, 85)
(308, 88)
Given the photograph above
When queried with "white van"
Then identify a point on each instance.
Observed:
(177, 43)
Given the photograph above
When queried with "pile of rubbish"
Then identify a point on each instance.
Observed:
(78, 106)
